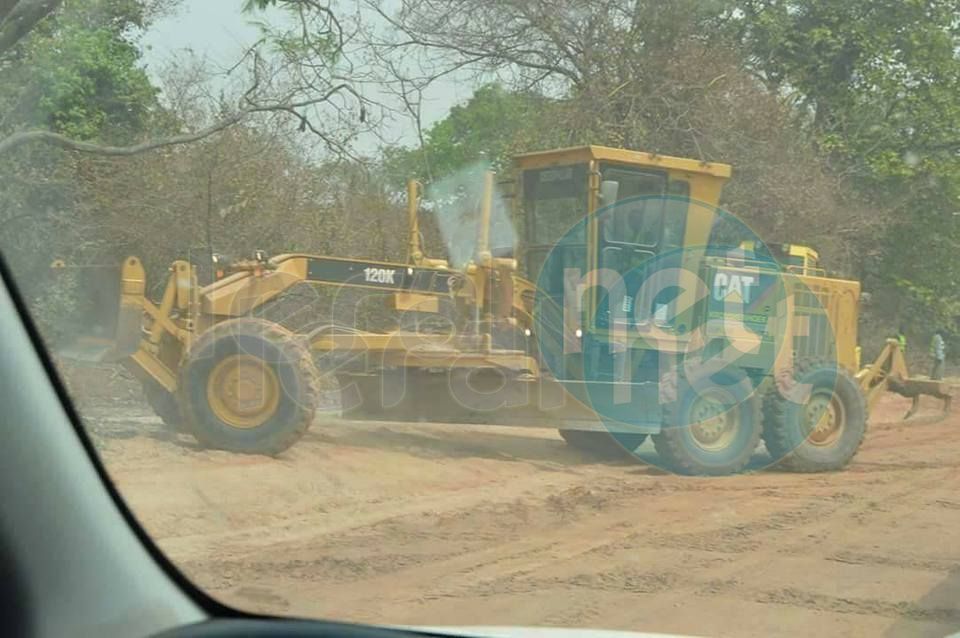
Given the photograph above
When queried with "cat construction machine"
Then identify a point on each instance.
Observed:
(629, 306)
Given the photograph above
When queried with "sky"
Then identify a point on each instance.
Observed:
(220, 32)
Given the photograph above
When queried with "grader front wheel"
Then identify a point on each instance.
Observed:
(243, 390)
(248, 386)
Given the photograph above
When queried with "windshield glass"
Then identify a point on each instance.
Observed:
(555, 201)
(319, 279)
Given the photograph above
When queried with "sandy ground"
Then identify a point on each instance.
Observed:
(405, 524)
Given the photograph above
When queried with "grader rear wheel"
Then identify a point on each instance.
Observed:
(821, 430)
(248, 386)
(714, 427)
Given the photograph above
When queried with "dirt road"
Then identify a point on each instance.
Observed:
(476, 526)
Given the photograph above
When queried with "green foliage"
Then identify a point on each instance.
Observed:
(944, 309)
(90, 86)
(841, 118)
(486, 128)
(849, 141)
(878, 82)
(80, 73)
(878, 78)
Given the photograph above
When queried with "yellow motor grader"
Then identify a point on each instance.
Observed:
(630, 306)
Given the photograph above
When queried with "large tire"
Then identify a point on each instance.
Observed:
(603, 444)
(164, 404)
(248, 386)
(713, 428)
(837, 406)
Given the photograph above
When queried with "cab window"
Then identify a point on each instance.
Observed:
(638, 217)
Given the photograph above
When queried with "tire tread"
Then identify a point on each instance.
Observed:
(776, 433)
(293, 349)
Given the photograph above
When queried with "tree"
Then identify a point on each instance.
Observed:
(486, 128)
(840, 118)
(303, 80)
(663, 77)
(71, 79)
(77, 76)
(876, 83)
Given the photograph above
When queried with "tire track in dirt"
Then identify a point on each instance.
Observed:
(572, 544)
(882, 560)
(735, 539)
(476, 526)
(726, 540)
(867, 607)
(360, 516)
(805, 520)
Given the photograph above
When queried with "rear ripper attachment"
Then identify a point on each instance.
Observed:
(889, 373)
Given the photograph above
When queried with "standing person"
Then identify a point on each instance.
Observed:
(938, 351)
(902, 338)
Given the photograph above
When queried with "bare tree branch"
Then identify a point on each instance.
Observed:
(56, 139)
(19, 19)
(499, 34)
(62, 141)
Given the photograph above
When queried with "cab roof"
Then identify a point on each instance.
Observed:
(579, 154)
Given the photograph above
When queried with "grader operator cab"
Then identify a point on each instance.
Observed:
(631, 306)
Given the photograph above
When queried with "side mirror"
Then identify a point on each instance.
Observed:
(608, 192)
